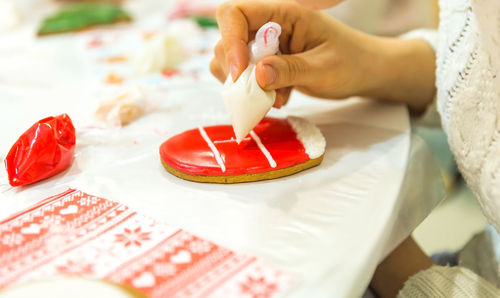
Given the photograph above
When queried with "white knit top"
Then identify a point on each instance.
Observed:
(468, 93)
(446, 282)
(468, 100)
(467, 47)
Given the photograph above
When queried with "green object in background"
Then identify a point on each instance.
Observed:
(83, 15)
(205, 22)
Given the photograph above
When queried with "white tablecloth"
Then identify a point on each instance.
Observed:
(331, 224)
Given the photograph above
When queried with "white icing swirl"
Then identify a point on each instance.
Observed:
(310, 136)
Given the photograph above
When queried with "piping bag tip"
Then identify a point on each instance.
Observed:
(239, 134)
(238, 140)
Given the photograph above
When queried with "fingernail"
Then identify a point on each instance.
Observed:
(234, 71)
(270, 74)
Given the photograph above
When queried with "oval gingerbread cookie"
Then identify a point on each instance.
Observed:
(274, 148)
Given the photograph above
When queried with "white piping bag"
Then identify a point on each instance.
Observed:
(245, 101)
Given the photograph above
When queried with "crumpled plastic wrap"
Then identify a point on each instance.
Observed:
(163, 51)
(122, 109)
(166, 49)
(44, 150)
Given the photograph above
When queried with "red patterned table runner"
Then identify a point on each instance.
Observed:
(74, 233)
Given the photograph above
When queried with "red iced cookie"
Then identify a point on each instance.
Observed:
(275, 148)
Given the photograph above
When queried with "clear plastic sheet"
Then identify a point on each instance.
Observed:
(331, 224)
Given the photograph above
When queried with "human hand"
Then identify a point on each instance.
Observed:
(323, 57)
(318, 4)
(320, 56)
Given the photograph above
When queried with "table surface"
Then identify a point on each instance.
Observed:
(330, 224)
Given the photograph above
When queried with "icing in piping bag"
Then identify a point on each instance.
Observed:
(245, 101)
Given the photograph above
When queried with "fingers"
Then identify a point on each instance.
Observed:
(282, 96)
(221, 56)
(275, 72)
(217, 71)
(234, 30)
(218, 65)
(319, 4)
(239, 20)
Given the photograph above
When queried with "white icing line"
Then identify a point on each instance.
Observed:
(216, 153)
(231, 140)
(262, 148)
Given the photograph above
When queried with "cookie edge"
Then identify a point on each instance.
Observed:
(231, 179)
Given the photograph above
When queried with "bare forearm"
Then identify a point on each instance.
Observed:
(403, 71)
(323, 57)
(406, 260)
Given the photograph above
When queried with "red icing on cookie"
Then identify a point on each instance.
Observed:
(190, 152)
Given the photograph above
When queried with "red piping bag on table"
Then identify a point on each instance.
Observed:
(44, 150)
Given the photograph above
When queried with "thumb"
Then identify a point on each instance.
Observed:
(281, 71)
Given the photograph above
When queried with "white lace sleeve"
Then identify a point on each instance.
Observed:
(468, 93)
